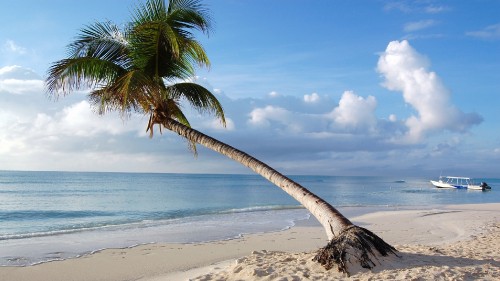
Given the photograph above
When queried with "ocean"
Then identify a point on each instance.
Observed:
(47, 216)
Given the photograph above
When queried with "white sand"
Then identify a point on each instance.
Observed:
(460, 242)
(452, 243)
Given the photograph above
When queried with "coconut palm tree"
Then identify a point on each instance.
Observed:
(141, 68)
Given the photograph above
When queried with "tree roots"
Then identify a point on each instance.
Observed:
(353, 245)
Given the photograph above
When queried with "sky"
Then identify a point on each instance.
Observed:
(320, 87)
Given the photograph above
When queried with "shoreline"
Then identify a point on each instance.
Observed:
(413, 232)
(38, 249)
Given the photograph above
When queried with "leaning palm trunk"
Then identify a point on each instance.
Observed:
(349, 244)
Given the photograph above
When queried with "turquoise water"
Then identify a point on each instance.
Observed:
(57, 215)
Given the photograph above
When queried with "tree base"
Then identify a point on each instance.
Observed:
(354, 245)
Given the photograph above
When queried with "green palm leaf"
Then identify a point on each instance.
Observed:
(131, 91)
(101, 40)
(198, 97)
(68, 75)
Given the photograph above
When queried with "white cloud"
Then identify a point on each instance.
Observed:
(489, 32)
(17, 80)
(29, 122)
(405, 70)
(436, 9)
(285, 121)
(418, 25)
(412, 36)
(415, 6)
(79, 120)
(312, 98)
(355, 112)
(38, 134)
(72, 126)
(401, 6)
(264, 116)
(284, 131)
(354, 115)
(15, 86)
(215, 124)
(274, 94)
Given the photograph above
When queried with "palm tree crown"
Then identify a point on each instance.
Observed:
(140, 67)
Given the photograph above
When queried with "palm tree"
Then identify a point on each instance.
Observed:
(141, 68)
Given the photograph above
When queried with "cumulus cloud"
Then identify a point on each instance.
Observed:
(79, 120)
(215, 124)
(36, 133)
(290, 132)
(355, 112)
(30, 123)
(490, 32)
(263, 116)
(354, 115)
(312, 98)
(72, 126)
(407, 71)
(274, 94)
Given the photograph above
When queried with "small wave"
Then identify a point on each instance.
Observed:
(85, 228)
(50, 214)
(155, 220)
(261, 209)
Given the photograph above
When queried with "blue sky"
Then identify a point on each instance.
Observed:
(397, 88)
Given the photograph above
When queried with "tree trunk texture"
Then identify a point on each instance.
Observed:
(342, 234)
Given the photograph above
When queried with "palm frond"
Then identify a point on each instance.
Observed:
(196, 54)
(154, 44)
(67, 75)
(190, 14)
(198, 97)
(176, 112)
(161, 39)
(131, 91)
(102, 40)
(150, 11)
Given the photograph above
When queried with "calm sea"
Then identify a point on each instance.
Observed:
(57, 215)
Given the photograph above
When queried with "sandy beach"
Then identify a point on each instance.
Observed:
(452, 242)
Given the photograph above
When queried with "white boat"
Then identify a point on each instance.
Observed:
(459, 182)
(483, 186)
(444, 182)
